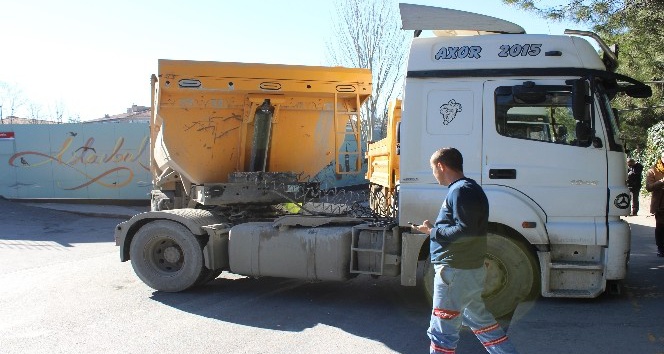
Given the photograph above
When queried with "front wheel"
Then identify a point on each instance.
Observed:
(512, 275)
(167, 256)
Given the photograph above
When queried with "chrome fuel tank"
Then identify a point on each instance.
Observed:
(312, 253)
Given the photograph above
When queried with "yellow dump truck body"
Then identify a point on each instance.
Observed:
(383, 165)
(203, 119)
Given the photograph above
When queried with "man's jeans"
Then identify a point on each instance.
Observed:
(457, 300)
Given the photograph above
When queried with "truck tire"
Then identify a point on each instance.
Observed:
(167, 256)
(512, 275)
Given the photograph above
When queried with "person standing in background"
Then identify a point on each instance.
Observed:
(655, 185)
(634, 177)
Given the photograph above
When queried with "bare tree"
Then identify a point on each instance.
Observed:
(367, 34)
(34, 112)
(58, 111)
(12, 98)
(74, 119)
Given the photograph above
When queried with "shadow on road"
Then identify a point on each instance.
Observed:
(383, 311)
(629, 321)
(378, 309)
(28, 227)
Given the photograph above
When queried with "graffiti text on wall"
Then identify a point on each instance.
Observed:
(87, 154)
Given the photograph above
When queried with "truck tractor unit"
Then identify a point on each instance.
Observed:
(256, 166)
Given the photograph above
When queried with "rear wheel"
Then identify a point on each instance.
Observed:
(167, 256)
(512, 275)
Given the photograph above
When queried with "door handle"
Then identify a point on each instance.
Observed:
(502, 173)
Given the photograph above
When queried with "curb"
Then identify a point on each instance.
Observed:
(92, 210)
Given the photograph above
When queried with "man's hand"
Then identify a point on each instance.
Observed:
(424, 228)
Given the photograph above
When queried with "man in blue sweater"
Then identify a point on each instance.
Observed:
(458, 246)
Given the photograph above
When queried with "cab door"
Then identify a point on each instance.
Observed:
(533, 146)
(436, 113)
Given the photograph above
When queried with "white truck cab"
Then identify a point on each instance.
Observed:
(531, 115)
(233, 144)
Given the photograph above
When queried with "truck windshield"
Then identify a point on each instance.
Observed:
(543, 115)
(610, 120)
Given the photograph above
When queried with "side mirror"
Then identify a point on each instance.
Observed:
(579, 104)
(584, 133)
(638, 91)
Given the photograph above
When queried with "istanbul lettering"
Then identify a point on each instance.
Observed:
(87, 154)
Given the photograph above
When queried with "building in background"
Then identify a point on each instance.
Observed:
(135, 114)
(17, 120)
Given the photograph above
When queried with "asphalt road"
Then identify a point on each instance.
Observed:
(64, 290)
(631, 322)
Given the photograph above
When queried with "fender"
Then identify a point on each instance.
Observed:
(510, 207)
(411, 247)
(192, 219)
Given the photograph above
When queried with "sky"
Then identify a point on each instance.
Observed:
(96, 57)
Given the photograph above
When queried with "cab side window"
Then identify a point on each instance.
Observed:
(544, 115)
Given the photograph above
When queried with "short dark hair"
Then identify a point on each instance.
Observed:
(449, 157)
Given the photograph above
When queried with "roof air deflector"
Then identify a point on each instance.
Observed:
(449, 22)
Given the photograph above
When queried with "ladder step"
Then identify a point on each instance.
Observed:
(576, 265)
(364, 272)
(571, 293)
(366, 250)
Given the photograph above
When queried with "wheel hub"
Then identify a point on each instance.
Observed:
(172, 254)
(495, 276)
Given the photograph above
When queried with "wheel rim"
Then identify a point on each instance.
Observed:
(496, 276)
(512, 275)
(494, 283)
(165, 255)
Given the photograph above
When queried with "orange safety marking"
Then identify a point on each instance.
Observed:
(441, 349)
(486, 329)
(495, 341)
(445, 314)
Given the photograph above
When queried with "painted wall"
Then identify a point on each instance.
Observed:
(81, 161)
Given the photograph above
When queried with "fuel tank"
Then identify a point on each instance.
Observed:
(312, 253)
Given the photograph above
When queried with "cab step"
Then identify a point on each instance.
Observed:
(573, 279)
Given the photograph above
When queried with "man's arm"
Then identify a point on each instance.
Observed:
(465, 213)
(651, 183)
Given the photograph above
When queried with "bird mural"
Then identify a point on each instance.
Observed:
(86, 148)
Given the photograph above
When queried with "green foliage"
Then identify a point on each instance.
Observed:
(638, 27)
(655, 145)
